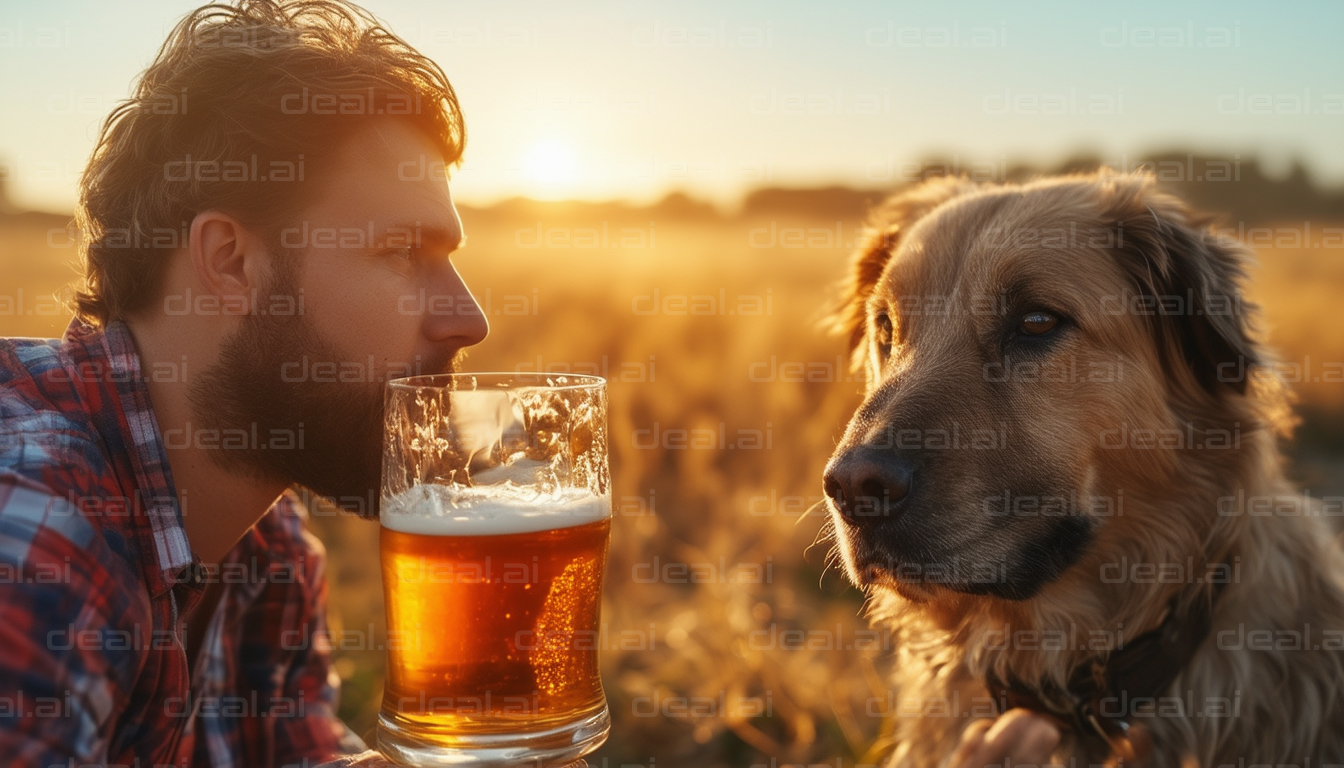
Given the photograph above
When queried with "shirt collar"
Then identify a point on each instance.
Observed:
(113, 369)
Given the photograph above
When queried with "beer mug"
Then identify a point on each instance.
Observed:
(495, 515)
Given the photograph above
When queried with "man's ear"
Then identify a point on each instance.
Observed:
(1189, 280)
(886, 225)
(230, 261)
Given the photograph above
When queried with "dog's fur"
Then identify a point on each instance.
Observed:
(1142, 430)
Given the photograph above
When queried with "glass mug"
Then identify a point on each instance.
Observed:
(495, 516)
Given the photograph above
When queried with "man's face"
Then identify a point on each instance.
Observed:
(366, 293)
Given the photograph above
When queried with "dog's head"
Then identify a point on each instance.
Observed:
(1040, 360)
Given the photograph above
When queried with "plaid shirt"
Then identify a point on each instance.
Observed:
(96, 574)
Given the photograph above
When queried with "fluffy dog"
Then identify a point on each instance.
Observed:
(1063, 489)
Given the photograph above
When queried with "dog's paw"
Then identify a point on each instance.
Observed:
(1025, 737)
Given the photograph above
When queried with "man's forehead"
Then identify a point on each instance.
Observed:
(390, 175)
(388, 140)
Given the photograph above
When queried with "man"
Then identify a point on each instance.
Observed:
(268, 229)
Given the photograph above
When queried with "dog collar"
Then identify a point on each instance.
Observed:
(1101, 692)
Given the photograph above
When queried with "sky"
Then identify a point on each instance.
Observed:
(632, 100)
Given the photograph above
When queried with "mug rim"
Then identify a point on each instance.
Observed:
(498, 381)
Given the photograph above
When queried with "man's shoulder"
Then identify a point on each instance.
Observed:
(29, 368)
(76, 620)
(31, 352)
(59, 500)
(59, 570)
(46, 433)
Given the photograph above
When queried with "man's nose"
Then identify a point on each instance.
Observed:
(868, 484)
(455, 317)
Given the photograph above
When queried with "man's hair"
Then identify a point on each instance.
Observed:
(238, 113)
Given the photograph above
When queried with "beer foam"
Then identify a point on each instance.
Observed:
(440, 510)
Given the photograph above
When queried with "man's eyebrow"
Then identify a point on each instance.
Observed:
(448, 239)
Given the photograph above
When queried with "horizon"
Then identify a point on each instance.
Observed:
(1175, 166)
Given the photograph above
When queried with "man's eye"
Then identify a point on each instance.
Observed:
(1037, 323)
(407, 253)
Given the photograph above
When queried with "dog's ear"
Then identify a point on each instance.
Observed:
(886, 224)
(1188, 280)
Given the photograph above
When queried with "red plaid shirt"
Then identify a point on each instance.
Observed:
(96, 574)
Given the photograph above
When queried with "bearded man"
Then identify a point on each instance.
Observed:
(267, 229)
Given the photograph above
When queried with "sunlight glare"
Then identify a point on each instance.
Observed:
(551, 165)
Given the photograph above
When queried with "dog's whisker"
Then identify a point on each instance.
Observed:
(833, 559)
(808, 512)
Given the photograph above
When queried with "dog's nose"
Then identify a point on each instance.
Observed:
(867, 484)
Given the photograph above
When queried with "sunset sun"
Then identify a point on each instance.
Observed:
(551, 166)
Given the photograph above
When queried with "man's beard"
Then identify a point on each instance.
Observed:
(325, 435)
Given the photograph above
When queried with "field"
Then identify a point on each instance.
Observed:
(727, 642)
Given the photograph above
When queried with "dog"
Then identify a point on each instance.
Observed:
(1063, 491)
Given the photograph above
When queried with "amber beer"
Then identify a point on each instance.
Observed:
(497, 619)
(492, 574)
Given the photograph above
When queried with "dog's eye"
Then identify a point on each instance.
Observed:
(883, 323)
(1037, 323)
